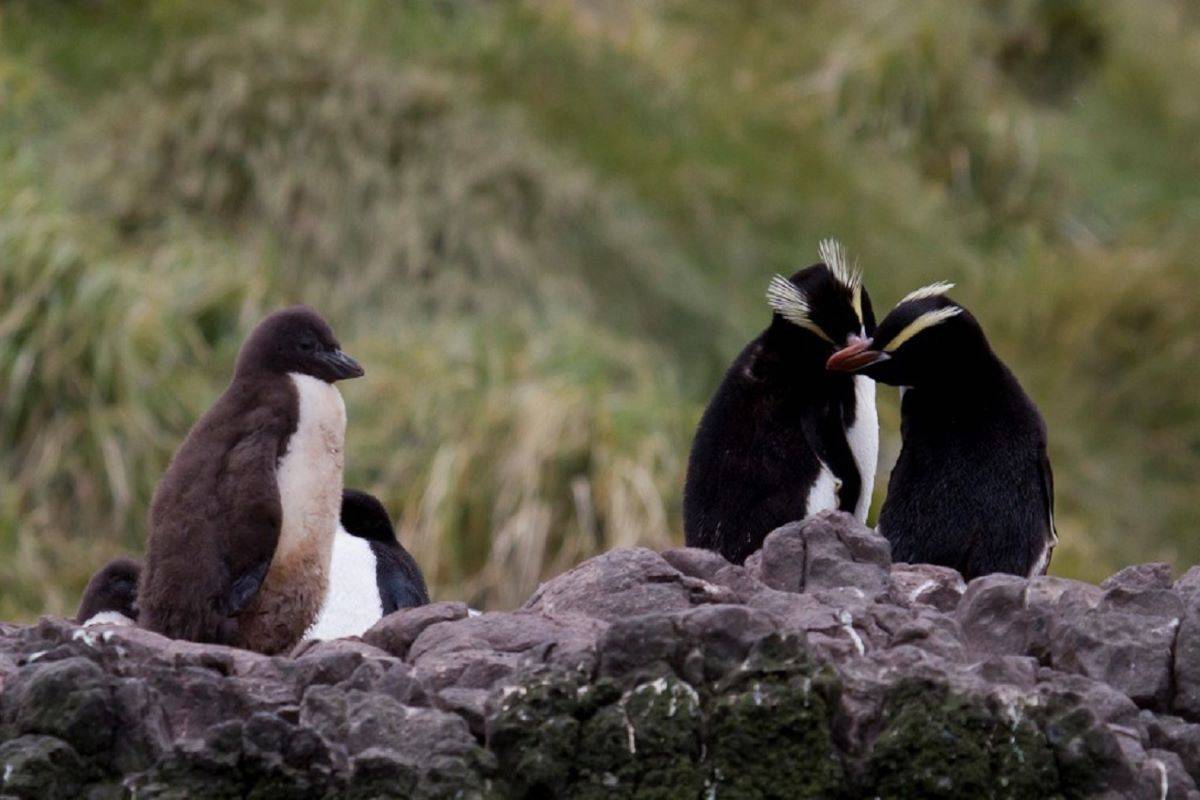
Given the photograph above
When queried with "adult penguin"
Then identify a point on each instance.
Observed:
(972, 488)
(242, 524)
(371, 574)
(784, 438)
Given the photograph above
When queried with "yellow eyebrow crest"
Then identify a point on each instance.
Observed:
(932, 290)
(787, 301)
(926, 320)
(833, 254)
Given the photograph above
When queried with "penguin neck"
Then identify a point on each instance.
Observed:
(974, 384)
(795, 362)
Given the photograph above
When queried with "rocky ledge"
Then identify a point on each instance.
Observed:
(819, 669)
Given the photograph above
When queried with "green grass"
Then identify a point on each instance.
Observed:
(545, 228)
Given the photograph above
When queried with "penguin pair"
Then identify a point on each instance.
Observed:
(242, 525)
(370, 575)
(792, 431)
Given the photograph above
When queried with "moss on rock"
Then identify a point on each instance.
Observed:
(41, 766)
(769, 727)
(937, 744)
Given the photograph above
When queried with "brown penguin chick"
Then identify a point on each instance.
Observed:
(242, 523)
(111, 595)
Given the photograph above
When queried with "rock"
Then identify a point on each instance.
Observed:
(1164, 732)
(829, 551)
(1186, 664)
(396, 632)
(928, 584)
(1139, 578)
(623, 583)
(1143, 589)
(993, 616)
(818, 669)
(1188, 584)
(41, 766)
(1127, 651)
(1167, 769)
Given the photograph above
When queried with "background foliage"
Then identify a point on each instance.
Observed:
(545, 227)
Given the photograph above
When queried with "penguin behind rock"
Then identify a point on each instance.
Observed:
(783, 438)
(371, 574)
(111, 595)
(972, 488)
(242, 524)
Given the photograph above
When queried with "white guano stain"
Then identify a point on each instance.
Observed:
(846, 620)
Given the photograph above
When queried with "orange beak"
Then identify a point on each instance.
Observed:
(855, 356)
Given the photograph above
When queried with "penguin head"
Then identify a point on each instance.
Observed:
(297, 340)
(927, 337)
(824, 307)
(365, 517)
(112, 588)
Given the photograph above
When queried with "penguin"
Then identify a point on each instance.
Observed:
(111, 595)
(783, 438)
(242, 523)
(371, 574)
(973, 488)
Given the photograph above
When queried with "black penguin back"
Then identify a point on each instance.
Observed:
(972, 488)
(759, 447)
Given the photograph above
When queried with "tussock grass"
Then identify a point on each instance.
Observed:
(545, 227)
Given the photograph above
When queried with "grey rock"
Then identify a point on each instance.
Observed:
(41, 766)
(1188, 584)
(396, 632)
(1142, 589)
(1167, 769)
(867, 678)
(1129, 652)
(1165, 732)
(1186, 664)
(623, 583)
(831, 550)
(993, 616)
(928, 584)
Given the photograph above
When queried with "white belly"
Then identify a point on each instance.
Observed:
(352, 604)
(863, 437)
(108, 618)
(310, 472)
(823, 495)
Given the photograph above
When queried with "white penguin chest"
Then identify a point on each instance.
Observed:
(863, 438)
(310, 472)
(352, 603)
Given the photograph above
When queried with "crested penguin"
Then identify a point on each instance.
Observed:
(972, 488)
(111, 595)
(782, 437)
(371, 574)
(242, 523)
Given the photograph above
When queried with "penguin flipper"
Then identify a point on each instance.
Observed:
(401, 584)
(1047, 484)
(827, 439)
(246, 586)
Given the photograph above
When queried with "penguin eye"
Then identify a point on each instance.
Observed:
(308, 345)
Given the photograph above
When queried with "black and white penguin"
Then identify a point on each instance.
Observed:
(111, 595)
(972, 489)
(242, 524)
(784, 438)
(371, 574)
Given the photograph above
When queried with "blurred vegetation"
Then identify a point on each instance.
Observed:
(545, 227)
